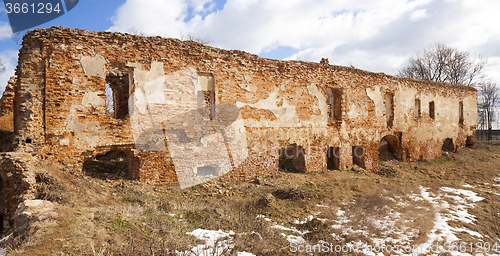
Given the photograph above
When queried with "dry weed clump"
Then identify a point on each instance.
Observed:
(51, 189)
(291, 193)
(317, 231)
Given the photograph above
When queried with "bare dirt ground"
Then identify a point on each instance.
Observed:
(454, 199)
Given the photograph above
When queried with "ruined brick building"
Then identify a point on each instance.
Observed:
(289, 115)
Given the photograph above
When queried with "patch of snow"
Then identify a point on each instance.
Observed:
(294, 239)
(2, 241)
(460, 213)
(441, 231)
(449, 204)
(340, 213)
(293, 229)
(468, 186)
(319, 205)
(307, 219)
(415, 197)
(427, 195)
(472, 196)
(472, 233)
(244, 254)
(5, 239)
(402, 204)
(383, 224)
(338, 238)
(387, 221)
(263, 217)
(213, 244)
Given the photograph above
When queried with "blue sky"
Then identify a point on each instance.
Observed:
(374, 35)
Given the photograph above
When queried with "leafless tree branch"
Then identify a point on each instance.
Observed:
(201, 40)
(488, 98)
(136, 31)
(442, 63)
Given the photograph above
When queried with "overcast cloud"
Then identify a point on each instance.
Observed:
(375, 35)
(5, 30)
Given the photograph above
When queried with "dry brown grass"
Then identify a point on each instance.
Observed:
(6, 132)
(7, 122)
(122, 217)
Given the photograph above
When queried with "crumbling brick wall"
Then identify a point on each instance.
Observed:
(7, 99)
(7, 116)
(7, 107)
(61, 111)
(17, 180)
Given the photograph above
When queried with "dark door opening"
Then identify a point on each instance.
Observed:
(333, 158)
(389, 149)
(292, 159)
(112, 165)
(358, 156)
(448, 145)
(470, 141)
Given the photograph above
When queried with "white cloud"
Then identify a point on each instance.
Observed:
(376, 35)
(418, 14)
(493, 68)
(202, 6)
(160, 17)
(9, 59)
(5, 30)
(150, 17)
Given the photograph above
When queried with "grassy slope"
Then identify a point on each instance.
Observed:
(117, 217)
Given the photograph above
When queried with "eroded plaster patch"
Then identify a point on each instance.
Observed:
(87, 134)
(313, 90)
(93, 66)
(247, 85)
(92, 99)
(377, 99)
(284, 113)
(355, 111)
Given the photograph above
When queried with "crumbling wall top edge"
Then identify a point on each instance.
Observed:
(57, 33)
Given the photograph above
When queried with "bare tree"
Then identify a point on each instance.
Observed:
(18, 37)
(193, 38)
(136, 31)
(488, 98)
(204, 40)
(442, 63)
